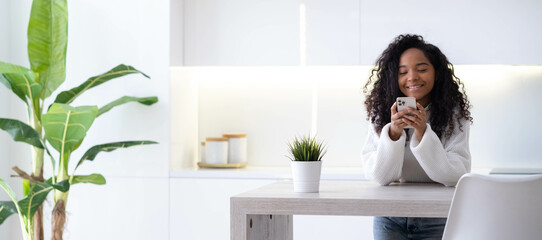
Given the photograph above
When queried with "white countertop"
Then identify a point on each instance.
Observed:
(276, 173)
(251, 172)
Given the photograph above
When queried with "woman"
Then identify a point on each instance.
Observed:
(436, 148)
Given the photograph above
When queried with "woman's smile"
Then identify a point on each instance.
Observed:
(415, 87)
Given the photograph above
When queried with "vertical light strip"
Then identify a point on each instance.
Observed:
(303, 63)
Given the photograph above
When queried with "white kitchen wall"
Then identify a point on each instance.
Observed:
(4, 29)
(18, 16)
(273, 104)
(258, 102)
(134, 33)
(184, 120)
(124, 208)
(341, 113)
(506, 107)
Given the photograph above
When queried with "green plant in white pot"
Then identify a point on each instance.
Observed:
(306, 154)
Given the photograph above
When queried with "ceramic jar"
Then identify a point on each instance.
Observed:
(237, 147)
(216, 150)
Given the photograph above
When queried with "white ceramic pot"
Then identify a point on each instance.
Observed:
(216, 150)
(237, 147)
(306, 176)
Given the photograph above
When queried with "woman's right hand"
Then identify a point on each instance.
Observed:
(397, 123)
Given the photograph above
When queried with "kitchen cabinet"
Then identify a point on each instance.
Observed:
(468, 32)
(355, 32)
(267, 33)
(241, 32)
(200, 208)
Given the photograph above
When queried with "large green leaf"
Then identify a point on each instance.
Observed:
(108, 147)
(38, 194)
(119, 71)
(62, 186)
(66, 126)
(7, 208)
(20, 80)
(47, 42)
(15, 90)
(21, 132)
(126, 99)
(30, 204)
(94, 178)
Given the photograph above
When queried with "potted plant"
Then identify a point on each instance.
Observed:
(306, 154)
(60, 126)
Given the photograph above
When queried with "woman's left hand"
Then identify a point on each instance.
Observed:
(417, 119)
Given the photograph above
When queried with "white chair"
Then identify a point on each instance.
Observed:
(494, 207)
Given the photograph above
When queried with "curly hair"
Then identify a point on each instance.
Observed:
(448, 99)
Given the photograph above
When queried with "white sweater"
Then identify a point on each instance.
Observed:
(431, 160)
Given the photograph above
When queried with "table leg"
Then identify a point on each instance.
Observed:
(257, 227)
(271, 227)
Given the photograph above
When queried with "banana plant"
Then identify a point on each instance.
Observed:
(65, 128)
(47, 48)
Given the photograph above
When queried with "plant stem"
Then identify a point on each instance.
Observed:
(37, 154)
(62, 175)
(38, 224)
(30, 227)
(37, 162)
(61, 198)
(36, 230)
(58, 220)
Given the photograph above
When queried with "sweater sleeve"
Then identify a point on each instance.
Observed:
(444, 162)
(383, 157)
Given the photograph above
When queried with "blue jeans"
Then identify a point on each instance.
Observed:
(398, 228)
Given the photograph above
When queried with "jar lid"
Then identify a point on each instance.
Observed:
(216, 139)
(234, 135)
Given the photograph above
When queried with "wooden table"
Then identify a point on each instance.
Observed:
(266, 213)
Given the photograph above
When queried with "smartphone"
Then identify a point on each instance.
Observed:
(404, 102)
